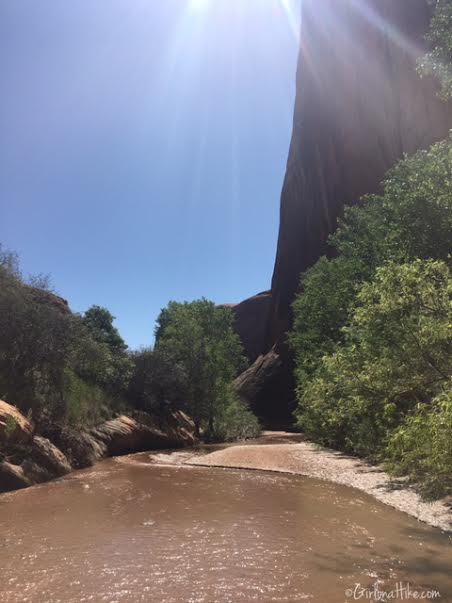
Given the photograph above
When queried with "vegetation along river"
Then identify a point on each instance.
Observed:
(130, 530)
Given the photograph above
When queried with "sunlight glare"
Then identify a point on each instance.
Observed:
(199, 5)
(294, 22)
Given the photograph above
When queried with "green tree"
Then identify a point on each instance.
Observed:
(114, 368)
(51, 361)
(35, 346)
(158, 383)
(411, 219)
(438, 62)
(397, 353)
(199, 337)
(100, 323)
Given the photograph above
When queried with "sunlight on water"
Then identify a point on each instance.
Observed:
(166, 533)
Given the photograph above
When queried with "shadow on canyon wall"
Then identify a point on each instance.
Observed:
(360, 105)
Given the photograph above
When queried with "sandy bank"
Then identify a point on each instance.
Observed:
(287, 454)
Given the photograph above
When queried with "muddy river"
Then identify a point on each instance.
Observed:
(129, 530)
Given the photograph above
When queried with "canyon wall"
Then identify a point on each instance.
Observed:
(360, 105)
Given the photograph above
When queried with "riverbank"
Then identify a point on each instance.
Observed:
(28, 457)
(288, 453)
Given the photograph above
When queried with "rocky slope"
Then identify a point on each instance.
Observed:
(360, 105)
(30, 459)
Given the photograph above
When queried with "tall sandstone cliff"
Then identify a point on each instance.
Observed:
(360, 105)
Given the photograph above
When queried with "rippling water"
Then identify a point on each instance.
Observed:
(128, 530)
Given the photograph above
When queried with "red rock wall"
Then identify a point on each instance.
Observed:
(251, 319)
(360, 105)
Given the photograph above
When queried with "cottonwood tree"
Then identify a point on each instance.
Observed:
(199, 337)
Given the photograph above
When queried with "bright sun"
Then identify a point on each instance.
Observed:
(288, 6)
(199, 4)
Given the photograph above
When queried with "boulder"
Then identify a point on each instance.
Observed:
(124, 435)
(34, 473)
(82, 448)
(263, 386)
(14, 427)
(41, 460)
(49, 457)
(12, 477)
(180, 429)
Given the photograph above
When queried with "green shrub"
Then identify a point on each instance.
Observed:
(61, 366)
(422, 447)
(411, 219)
(235, 422)
(397, 352)
(320, 312)
(88, 404)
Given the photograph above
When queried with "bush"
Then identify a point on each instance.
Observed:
(34, 348)
(88, 404)
(235, 422)
(61, 366)
(320, 312)
(412, 219)
(422, 447)
(397, 353)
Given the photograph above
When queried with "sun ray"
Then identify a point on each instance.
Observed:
(293, 19)
(378, 22)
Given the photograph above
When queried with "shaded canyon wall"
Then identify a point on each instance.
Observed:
(360, 105)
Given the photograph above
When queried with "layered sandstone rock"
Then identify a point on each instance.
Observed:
(125, 434)
(27, 459)
(13, 425)
(12, 477)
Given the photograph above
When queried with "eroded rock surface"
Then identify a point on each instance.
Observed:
(29, 459)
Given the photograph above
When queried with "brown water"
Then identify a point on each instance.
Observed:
(130, 531)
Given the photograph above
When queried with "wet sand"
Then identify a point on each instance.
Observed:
(288, 453)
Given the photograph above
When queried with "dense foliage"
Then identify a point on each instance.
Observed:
(396, 354)
(372, 327)
(411, 219)
(371, 332)
(438, 61)
(51, 361)
(198, 338)
(157, 384)
(422, 446)
(69, 370)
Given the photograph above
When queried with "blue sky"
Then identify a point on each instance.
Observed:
(143, 145)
